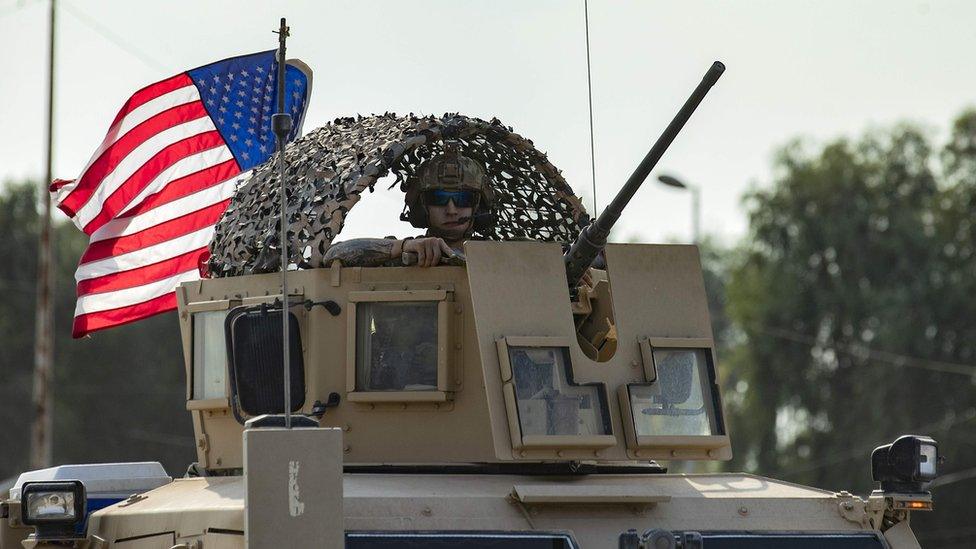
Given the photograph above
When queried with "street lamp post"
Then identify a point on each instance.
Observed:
(695, 202)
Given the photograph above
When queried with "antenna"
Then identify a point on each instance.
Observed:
(281, 123)
(589, 94)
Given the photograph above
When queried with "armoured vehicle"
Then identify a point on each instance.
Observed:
(491, 402)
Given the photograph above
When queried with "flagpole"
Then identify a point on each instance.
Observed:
(281, 123)
(42, 427)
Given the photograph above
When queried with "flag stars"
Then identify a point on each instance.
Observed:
(240, 103)
(213, 90)
(210, 102)
(216, 78)
(244, 73)
(233, 138)
(238, 114)
(259, 69)
(263, 149)
(230, 76)
(251, 130)
(298, 82)
(242, 93)
(236, 126)
(226, 87)
(245, 156)
(248, 142)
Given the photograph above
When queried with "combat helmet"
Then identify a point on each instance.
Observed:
(453, 171)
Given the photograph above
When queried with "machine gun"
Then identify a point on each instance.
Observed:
(593, 238)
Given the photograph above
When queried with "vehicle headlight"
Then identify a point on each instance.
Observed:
(53, 507)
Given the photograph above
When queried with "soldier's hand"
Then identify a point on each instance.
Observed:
(429, 250)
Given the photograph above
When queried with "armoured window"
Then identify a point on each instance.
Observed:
(548, 401)
(396, 346)
(459, 540)
(678, 402)
(793, 540)
(209, 355)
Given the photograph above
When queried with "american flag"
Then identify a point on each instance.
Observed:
(164, 174)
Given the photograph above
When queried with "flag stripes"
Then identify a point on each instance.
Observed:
(150, 195)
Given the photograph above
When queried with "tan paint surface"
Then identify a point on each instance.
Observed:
(483, 502)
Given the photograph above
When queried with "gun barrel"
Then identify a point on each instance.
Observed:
(593, 238)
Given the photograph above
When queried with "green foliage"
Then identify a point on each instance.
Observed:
(119, 395)
(853, 292)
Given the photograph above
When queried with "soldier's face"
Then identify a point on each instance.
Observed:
(446, 220)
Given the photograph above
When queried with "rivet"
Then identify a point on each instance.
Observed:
(372, 287)
(743, 511)
(596, 453)
(437, 287)
(219, 461)
(405, 287)
(426, 512)
(347, 449)
(403, 406)
(712, 453)
(848, 505)
(523, 453)
(633, 363)
(534, 511)
(560, 453)
(347, 427)
(457, 309)
(437, 405)
(457, 346)
(372, 406)
(674, 453)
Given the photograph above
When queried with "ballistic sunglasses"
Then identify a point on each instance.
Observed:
(440, 197)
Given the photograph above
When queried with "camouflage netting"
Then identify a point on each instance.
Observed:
(328, 170)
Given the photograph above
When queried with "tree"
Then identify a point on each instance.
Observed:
(119, 395)
(853, 298)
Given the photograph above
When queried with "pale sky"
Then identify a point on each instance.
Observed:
(795, 68)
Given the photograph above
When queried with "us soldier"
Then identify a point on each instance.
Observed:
(450, 197)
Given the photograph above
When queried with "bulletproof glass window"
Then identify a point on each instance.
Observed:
(459, 540)
(209, 355)
(256, 358)
(679, 402)
(549, 402)
(396, 346)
